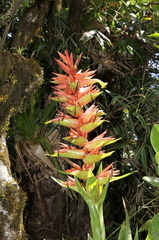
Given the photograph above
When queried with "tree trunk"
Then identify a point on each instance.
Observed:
(19, 78)
(77, 8)
(33, 19)
(12, 199)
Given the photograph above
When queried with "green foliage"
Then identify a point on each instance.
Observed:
(155, 138)
(122, 176)
(29, 126)
(152, 180)
(153, 230)
(95, 206)
(119, 39)
(28, 3)
(89, 237)
(154, 35)
(125, 232)
(152, 226)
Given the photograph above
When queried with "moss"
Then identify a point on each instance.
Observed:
(21, 79)
(3, 98)
(12, 202)
(7, 122)
(58, 5)
(12, 199)
(5, 60)
(4, 153)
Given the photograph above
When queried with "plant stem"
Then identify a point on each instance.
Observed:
(97, 221)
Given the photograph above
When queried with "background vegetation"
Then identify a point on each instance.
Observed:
(120, 39)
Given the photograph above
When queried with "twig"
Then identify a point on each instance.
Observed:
(39, 196)
(152, 3)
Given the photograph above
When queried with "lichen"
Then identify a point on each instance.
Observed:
(12, 202)
(3, 97)
(12, 199)
(6, 125)
(22, 78)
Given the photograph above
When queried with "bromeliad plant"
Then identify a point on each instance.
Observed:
(75, 90)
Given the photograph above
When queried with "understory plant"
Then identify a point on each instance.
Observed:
(75, 91)
(152, 224)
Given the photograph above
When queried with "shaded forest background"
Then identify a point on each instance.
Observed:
(119, 39)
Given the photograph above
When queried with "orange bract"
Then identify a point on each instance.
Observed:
(74, 90)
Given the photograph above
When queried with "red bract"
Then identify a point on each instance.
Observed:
(106, 173)
(75, 90)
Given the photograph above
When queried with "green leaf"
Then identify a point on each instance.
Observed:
(128, 234)
(157, 158)
(92, 186)
(154, 35)
(154, 137)
(136, 235)
(152, 154)
(27, 3)
(118, 145)
(152, 180)
(48, 112)
(143, 158)
(93, 158)
(157, 170)
(110, 141)
(148, 237)
(145, 226)
(70, 153)
(83, 174)
(120, 177)
(122, 233)
(141, 119)
(103, 194)
(89, 237)
(100, 168)
(156, 45)
(131, 124)
(153, 231)
(82, 191)
(130, 49)
(26, 126)
(125, 231)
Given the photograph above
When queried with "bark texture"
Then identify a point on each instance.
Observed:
(31, 23)
(76, 10)
(12, 199)
(19, 78)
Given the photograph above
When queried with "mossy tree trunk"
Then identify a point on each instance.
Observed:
(20, 77)
(76, 9)
(12, 199)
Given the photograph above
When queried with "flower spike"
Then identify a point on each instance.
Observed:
(74, 90)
